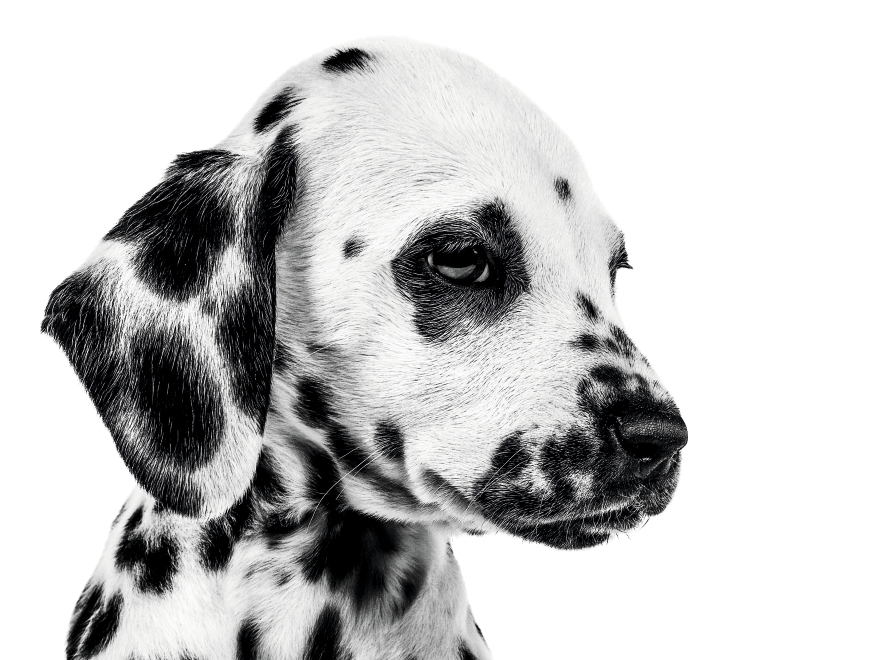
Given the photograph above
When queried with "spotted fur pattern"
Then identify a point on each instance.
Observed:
(311, 409)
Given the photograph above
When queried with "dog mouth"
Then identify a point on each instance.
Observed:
(575, 525)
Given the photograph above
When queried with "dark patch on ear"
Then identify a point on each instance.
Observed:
(324, 641)
(587, 342)
(446, 490)
(102, 628)
(443, 309)
(86, 327)
(182, 225)
(563, 190)
(276, 110)
(246, 325)
(464, 653)
(247, 645)
(353, 247)
(350, 59)
(389, 440)
(608, 375)
(154, 562)
(590, 310)
(179, 402)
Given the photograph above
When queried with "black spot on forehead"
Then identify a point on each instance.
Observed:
(182, 225)
(353, 247)
(350, 59)
(443, 309)
(325, 641)
(276, 110)
(563, 190)
(178, 401)
(589, 308)
(389, 440)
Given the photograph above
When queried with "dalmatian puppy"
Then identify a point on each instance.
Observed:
(381, 312)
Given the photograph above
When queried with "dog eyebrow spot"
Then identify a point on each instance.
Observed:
(563, 190)
(347, 60)
(353, 247)
(276, 109)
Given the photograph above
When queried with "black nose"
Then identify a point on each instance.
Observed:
(651, 438)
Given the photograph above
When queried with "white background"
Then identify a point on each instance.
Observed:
(738, 147)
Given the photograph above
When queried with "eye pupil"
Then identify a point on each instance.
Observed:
(460, 265)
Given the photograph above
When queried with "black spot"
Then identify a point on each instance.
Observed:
(277, 527)
(103, 627)
(313, 403)
(608, 375)
(154, 562)
(587, 342)
(443, 309)
(511, 457)
(267, 484)
(324, 641)
(182, 225)
(347, 60)
(179, 403)
(352, 248)
(276, 109)
(85, 609)
(627, 348)
(323, 482)
(464, 653)
(248, 641)
(563, 190)
(589, 309)
(389, 440)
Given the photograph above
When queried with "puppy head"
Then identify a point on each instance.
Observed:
(445, 315)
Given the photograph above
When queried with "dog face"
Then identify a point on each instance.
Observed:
(423, 249)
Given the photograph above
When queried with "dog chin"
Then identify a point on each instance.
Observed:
(593, 529)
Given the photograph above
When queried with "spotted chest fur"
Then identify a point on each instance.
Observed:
(381, 312)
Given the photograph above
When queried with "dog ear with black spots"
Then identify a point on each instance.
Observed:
(170, 325)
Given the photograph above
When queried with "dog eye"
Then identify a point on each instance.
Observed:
(460, 265)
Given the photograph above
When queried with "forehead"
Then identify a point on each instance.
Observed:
(419, 134)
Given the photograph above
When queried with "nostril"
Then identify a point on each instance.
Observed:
(651, 437)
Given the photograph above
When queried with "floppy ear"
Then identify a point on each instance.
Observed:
(170, 325)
